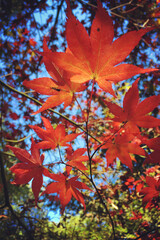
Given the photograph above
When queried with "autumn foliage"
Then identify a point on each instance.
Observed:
(92, 61)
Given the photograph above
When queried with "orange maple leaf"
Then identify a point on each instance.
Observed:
(66, 188)
(60, 86)
(121, 146)
(30, 168)
(97, 56)
(53, 137)
(75, 160)
(133, 113)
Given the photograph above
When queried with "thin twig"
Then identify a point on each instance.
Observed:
(53, 111)
(56, 20)
(105, 206)
(83, 116)
(17, 141)
(121, 5)
(94, 185)
(6, 75)
(89, 4)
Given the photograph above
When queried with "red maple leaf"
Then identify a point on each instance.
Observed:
(52, 137)
(75, 160)
(60, 86)
(121, 146)
(152, 191)
(97, 56)
(29, 168)
(153, 157)
(133, 113)
(66, 188)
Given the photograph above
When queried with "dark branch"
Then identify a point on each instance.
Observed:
(7, 201)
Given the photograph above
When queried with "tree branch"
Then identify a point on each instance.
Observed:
(7, 201)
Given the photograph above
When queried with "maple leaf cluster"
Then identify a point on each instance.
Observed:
(31, 165)
(98, 58)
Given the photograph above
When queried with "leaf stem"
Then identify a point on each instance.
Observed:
(89, 105)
